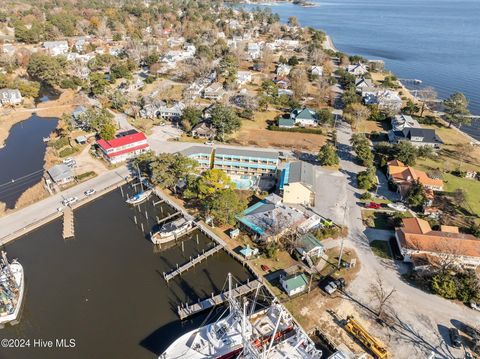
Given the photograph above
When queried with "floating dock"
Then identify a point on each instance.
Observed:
(186, 310)
(192, 263)
(68, 225)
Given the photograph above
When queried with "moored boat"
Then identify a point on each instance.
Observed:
(139, 197)
(171, 230)
(12, 287)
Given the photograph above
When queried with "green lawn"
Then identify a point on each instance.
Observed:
(381, 220)
(471, 187)
(381, 249)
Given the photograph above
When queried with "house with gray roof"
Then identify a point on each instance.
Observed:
(416, 136)
(304, 117)
(201, 154)
(297, 183)
(245, 162)
(204, 130)
(309, 246)
(61, 174)
(10, 97)
(56, 48)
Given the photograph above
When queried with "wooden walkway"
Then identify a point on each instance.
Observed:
(186, 310)
(191, 263)
(68, 225)
(168, 217)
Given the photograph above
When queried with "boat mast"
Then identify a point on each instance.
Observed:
(280, 315)
(140, 178)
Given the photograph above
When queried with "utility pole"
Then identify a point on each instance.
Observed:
(342, 243)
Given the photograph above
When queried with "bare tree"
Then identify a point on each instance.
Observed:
(298, 81)
(426, 96)
(355, 113)
(381, 295)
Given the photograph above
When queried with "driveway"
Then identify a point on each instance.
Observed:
(419, 314)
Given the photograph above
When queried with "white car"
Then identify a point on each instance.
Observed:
(69, 201)
(475, 306)
(397, 207)
(59, 209)
(209, 143)
(89, 192)
(68, 160)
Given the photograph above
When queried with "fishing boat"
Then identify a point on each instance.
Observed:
(12, 287)
(268, 333)
(172, 230)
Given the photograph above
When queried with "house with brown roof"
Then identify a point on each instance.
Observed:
(404, 176)
(417, 240)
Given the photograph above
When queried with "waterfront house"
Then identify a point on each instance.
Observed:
(214, 92)
(283, 70)
(362, 84)
(61, 174)
(245, 162)
(400, 122)
(204, 130)
(243, 77)
(406, 128)
(309, 246)
(357, 69)
(123, 147)
(56, 48)
(269, 219)
(416, 238)
(304, 117)
(386, 100)
(297, 182)
(10, 97)
(316, 71)
(404, 176)
(294, 284)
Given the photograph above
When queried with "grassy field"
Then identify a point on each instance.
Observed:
(381, 249)
(378, 220)
(471, 187)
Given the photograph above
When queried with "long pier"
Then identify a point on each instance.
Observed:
(68, 225)
(187, 310)
(191, 263)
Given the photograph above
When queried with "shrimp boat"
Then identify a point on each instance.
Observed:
(171, 230)
(12, 288)
(268, 333)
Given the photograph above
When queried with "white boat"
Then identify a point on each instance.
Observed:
(139, 197)
(12, 288)
(171, 230)
(269, 333)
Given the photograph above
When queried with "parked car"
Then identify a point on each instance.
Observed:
(59, 209)
(373, 205)
(69, 201)
(331, 287)
(455, 338)
(475, 306)
(89, 192)
(397, 207)
(209, 143)
(265, 268)
(68, 160)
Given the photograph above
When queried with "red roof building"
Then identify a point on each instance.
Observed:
(123, 147)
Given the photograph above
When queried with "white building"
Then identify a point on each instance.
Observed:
(10, 97)
(244, 77)
(56, 48)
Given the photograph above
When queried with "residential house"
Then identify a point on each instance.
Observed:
(286, 122)
(297, 183)
(254, 50)
(56, 48)
(204, 130)
(386, 100)
(405, 128)
(61, 174)
(304, 117)
(404, 176)
(214, 92)
(362, 84)
(269, 218)
(194, 90)
(243, 77)
(309, 246)
(294, 283)
(10, 97)
(286, 44)
(357, 69)
(123, 147)
(283, 70)
(316, 71)
(417, 239)
(173, 112)
(246, 162)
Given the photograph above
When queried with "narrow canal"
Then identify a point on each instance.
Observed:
(105, 287)
(22, 157)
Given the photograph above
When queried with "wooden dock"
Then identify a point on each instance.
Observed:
(191, 263)
(187, 310)
(168, 217)
(68, 225)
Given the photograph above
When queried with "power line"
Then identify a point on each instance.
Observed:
(14, 180)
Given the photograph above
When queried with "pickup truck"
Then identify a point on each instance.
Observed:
(333, 285)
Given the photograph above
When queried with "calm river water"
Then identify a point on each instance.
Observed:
(105, 288)
(436, 41)
(22, 158)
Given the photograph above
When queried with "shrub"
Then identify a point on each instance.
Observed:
(86, 175)
(67, 151)
(316, 131)
(61, 142)
(366, 196)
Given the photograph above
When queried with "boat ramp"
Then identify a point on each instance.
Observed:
(186, 310)
(68, 225)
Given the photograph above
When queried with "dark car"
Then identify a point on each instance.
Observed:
(455, 338)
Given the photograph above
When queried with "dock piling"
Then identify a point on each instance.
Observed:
(141, 225)
(135, 218)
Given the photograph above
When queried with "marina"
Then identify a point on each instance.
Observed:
(109, 247)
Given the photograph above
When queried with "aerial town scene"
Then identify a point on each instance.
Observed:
(239, 179)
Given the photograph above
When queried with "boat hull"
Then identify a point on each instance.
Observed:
(13, 317)
(158, 238)
(139, 198)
